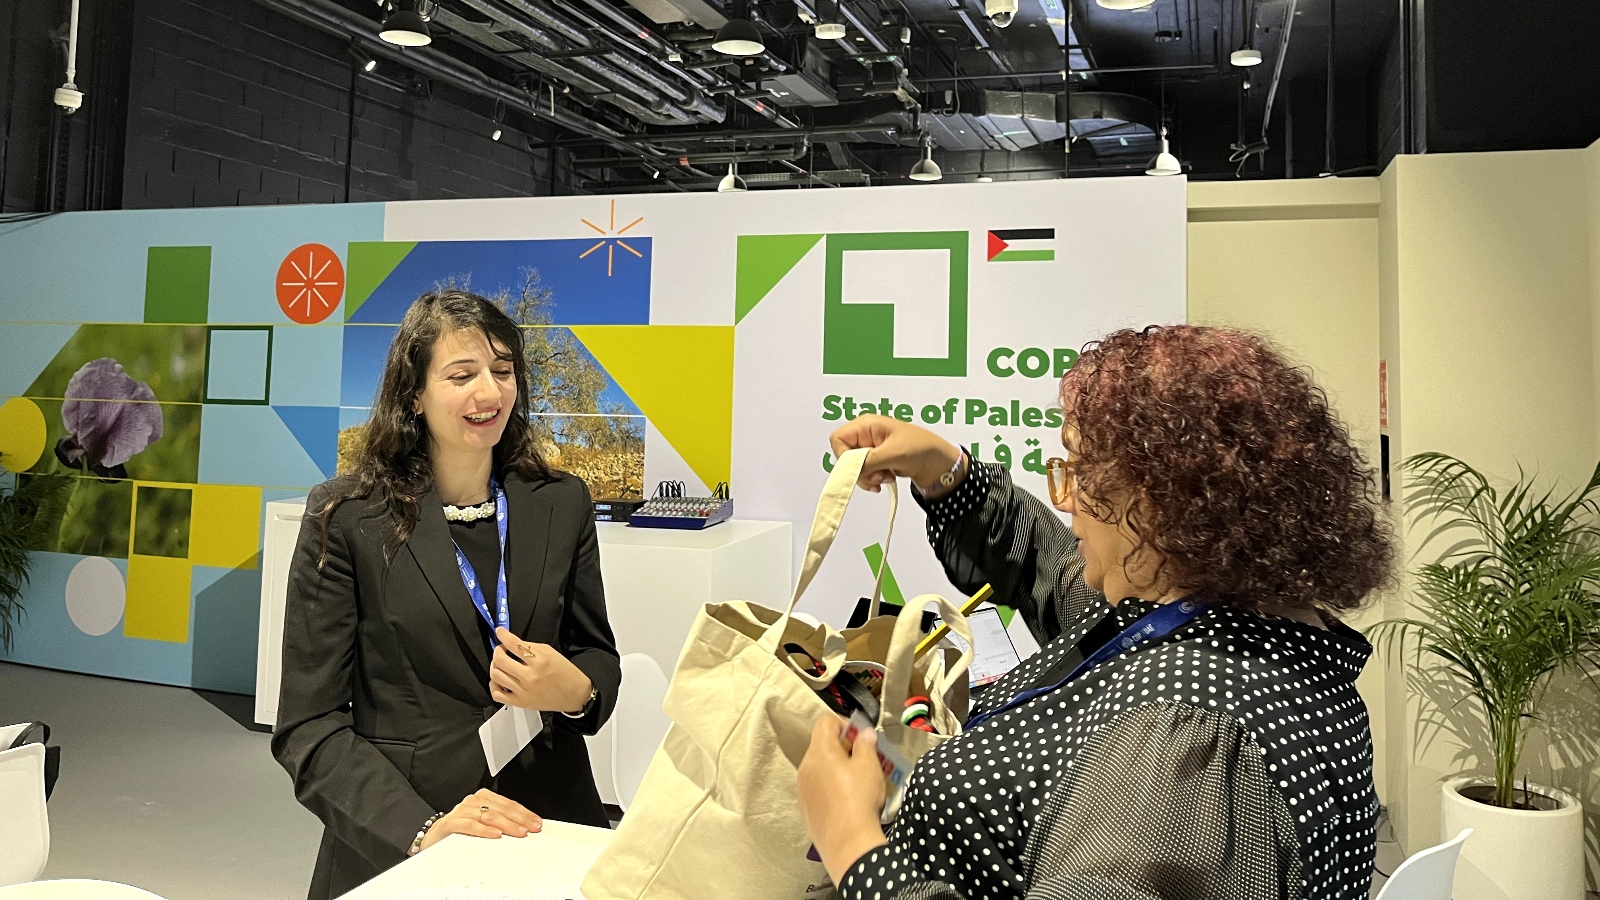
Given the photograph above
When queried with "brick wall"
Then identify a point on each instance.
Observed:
(233, 104)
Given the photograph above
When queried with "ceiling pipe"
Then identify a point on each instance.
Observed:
(1277, 66)
(540, 57)
(691, 98)
(664, 142)
(661, 49)
(1061, 73)
(657, 104)
(334, 19)
(697, 159)
(770, 135)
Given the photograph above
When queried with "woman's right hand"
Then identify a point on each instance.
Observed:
(899, 450)
(484, 814)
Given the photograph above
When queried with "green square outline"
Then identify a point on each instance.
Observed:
(266, 388)
(846, 352)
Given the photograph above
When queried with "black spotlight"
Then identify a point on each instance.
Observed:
(406, 27)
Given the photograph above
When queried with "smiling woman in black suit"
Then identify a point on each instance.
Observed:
(395, 647)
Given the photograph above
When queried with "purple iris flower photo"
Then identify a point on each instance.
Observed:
(109, 418)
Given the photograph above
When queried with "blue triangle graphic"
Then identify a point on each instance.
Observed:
(317, 430)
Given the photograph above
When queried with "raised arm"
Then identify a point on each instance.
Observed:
(988, 530)
(983, 528)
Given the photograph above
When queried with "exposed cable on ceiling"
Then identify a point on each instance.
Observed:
(1329, 159)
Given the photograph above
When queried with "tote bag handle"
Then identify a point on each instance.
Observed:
(902, 660)
(831, 508)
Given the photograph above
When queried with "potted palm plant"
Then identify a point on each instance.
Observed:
(28, 510)
(1513, 599)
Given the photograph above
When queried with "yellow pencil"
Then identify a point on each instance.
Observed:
(973, 602)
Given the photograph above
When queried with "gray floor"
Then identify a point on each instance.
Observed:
(1389, 855)
(161, 790)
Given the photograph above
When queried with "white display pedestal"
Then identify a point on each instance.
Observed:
(656, 580)
(277, 551)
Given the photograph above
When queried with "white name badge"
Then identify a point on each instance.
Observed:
(506, 733)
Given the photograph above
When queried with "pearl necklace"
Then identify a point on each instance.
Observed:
(469, 513)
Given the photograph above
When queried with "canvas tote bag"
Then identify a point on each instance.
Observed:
(717, 815)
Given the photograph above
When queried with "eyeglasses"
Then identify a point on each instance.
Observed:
(1060, 475)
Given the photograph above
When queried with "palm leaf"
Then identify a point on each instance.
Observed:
(1512, 598)
(28, 510)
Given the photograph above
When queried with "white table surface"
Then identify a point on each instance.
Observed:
(548, 865)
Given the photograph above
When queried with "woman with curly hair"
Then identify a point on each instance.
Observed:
(451, 572)
(1191, 727)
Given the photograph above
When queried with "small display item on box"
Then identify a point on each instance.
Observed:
(616, 509)
(670, 509)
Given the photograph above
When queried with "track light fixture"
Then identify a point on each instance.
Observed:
(829, 27)
(68, 97)
(407, 23)
(738, 36)
(731, 183)
(369, 66)
(926, 169)
(1164, 163)
(1246, 56)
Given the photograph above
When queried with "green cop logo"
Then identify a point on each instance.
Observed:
(859, 328)
(894, 303)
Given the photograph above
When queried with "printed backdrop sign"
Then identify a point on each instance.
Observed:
(194, 364)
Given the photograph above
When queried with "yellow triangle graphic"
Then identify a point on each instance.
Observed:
(681, 377)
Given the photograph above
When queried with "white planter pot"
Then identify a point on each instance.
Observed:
(1515, 854)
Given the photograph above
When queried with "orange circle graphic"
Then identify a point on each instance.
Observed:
(310, 283)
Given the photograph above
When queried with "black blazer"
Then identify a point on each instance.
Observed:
(386, 674)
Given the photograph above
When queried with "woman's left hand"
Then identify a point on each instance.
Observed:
(538, 677)
(841, 794)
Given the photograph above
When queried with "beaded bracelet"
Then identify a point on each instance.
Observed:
(416, 842)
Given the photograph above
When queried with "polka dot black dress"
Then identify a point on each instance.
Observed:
(1230, 759)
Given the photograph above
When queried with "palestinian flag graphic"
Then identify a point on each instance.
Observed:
(1021, 245)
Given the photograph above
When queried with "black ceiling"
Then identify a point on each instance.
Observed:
(649, 105)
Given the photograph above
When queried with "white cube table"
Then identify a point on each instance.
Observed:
(657, 579)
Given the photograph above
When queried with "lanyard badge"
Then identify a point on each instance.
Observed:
(469, 578)
(1154, 625)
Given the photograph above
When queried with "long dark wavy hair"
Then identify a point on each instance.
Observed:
(392, 463)
(1241, 476)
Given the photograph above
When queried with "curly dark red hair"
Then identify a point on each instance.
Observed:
(1237, 471)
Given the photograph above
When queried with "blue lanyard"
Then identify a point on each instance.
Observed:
(1154, 625)
(502, 616)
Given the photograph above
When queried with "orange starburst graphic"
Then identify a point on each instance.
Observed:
(611, 241)
(309, 284)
